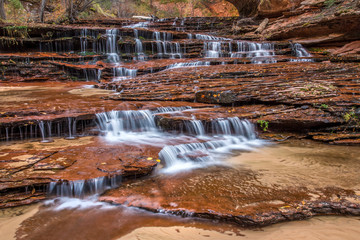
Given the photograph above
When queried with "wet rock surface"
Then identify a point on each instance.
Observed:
(169, 77)
(26, 174)
(258, 189)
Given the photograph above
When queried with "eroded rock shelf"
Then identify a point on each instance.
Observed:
(100, 104)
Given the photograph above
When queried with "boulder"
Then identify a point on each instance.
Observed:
(348, 49)
(273, 8)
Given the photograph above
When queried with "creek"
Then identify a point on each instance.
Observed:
(168, 137)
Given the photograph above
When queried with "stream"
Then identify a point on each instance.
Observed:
(176, 134)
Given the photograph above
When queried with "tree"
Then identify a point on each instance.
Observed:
(2, 10)
(42, 10)
(75, 7)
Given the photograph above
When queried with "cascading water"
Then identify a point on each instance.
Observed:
(83, 40)
(116, 123)
(170, 109)
(208, 37)
(83, 188)
(72, 128)
(123, 73)
(188, 64)
(43, 129)
(257, 52)
(163, 47)
(111, 46)
(195, 127)
(252, 49)
(139, 51)
(92, 74)
(225, 136)
(213, 49)
(300, 52)
(137, 25)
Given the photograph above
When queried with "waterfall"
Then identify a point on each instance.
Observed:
(71, 128)
(205, 143)
(165, 48)
(233, 126)
(42, 130)
(300, 52)
(195, 127)
(92, 74)
(82, 188)
(209, 37)
(115, 123)
(139, 51)
(83, 40)
(162, 36)
(138, 25)
(225, 136)
(124, 73)
(45, 137)
(213, 49)
(111, 45)
(188, 64)
(171, 109)
(258, 52)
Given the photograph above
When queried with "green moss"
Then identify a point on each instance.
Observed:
(263, 124)
(87, 53)
(329, 3)
(17, 31)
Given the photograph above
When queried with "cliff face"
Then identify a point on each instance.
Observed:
(327, 24)
(317, 22)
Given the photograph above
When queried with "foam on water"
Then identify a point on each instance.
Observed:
(185, 157)
(66, 203)
(301, 53)
(188, 64)
(207, 144)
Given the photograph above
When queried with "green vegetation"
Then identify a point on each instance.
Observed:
(324, 106)
(59, 11)
(17, 31)
(87, 53)
(329, 3)
(263, 124)
(351, 117)
(319, 50)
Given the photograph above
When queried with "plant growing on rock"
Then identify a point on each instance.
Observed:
(263, 124)
(329, 3)
(351, 117)
(17, 31)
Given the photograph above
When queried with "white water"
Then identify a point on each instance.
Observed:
(207, 37)
(111, 45)
(301, 53)
(189, 156)
(188, 64)
(195, 127)
(66, 203)
(257, 52)
(209, 143)
(213, 49)
(122, 73)
(167, 49)
(224, 136)
(138, 25)
(82, 188)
